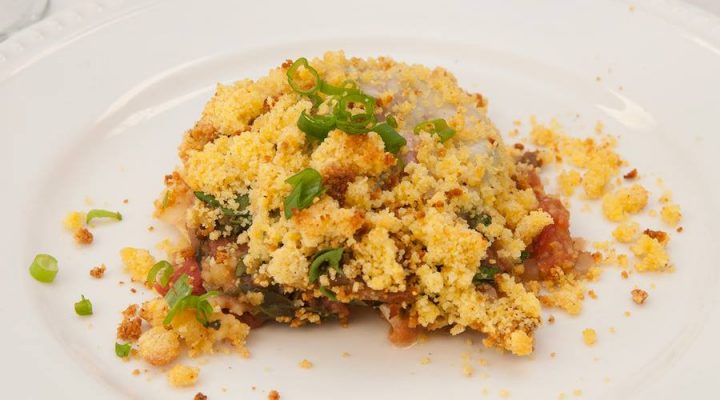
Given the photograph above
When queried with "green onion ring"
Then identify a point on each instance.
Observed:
(292, 72)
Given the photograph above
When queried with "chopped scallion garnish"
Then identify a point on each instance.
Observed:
(83, 307)
(347, 87)
(180, 298)
(438, 126)
(393, 140)
(44, 268)
(307, 184)
(524, 255)
(97, 213)
(292, 75)
(316, 126)
(122, 350)
(486, 273)
(164, 268)
(328, 293)
(331, 257)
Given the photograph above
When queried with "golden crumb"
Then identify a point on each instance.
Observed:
(551, 319)
(624, 274)
(577, 392)
(200, 396)
(599, 127)
(504, 393)
(626, 232)
(183, 376)
(626, 313)
(125, 201)
(553, 354)
(136, 372)
(671, 214)
(150, 228)
(159, 346)
(592, 294)
(83, 236)
(74, 221)
(425, 360)
(589, 336)
(651, 253)
(273, 395)
(618, 205)
(138, 262)
(98, 272)
(305, 364)
(639, 296)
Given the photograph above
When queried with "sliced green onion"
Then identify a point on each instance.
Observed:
(331, 257)
(438, 126)
(347, 87)
(393, 140)
(328, 293)
(316, 126)
(355, 123)
(485, 219)
(292, 75)
(180, 298)
(307, 184)
(240, 268)
(97, 213)
(83, 307)
(524, 255)
(122, 350)
(486, 273)
(391, 121)
(164, 268)
(44, 268)
(207, 199)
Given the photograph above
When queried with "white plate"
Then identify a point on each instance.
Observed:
(95, 101)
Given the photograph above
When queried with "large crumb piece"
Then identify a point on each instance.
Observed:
(138, 262)
(159, 346)
(625, 201)
(626, 232)
(129, 329)
(589, 336)
(83, 236)
(651, 253)
(305, 364)
(183, 376)
(671, 214)
(200, 396)
(639, 296)
(273, 395)
(74, 221)
(98, 272)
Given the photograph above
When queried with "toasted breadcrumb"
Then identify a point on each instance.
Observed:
(305, 364)
(159, 346)
(183, 376)
(129, 329)
(651, 254)
(98, 272)
(671, 214)
(626, 232)
(136, 372)
(74, 221)
(592, 294)
(138, 263)
(273, 395)
(425, 360)
(83, 236)
(200, 396)
(618, 205)
(631, 175)
(589, 336)
(639, 296)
